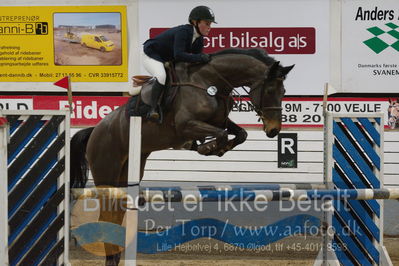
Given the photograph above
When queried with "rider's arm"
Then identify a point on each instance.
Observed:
(198, 45)
(182, 38)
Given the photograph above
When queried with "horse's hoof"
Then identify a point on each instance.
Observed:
(221, 153)
(204, 150)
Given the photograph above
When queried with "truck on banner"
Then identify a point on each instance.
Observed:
(298, 112)
(46, 43)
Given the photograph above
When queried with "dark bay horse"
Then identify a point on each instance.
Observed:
(194, 115)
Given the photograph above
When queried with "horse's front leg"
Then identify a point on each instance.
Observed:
(240, 136)
(198, 130)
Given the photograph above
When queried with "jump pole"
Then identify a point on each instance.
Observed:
(133, 191)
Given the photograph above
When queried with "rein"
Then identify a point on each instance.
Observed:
(188, 84)
(203, 88)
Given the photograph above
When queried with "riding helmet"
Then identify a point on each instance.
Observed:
(202, 13)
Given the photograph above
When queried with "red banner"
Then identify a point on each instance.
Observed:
(293, 40)
(87, 110)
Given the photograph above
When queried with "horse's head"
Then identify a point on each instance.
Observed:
(267, 96)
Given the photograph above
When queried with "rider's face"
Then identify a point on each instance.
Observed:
(204, 27)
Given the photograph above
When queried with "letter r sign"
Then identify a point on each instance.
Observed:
(287, 150)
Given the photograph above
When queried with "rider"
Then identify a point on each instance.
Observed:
(183, 43)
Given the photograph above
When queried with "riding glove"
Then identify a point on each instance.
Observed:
(205, 58)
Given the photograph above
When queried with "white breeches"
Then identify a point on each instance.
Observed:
(155, 68)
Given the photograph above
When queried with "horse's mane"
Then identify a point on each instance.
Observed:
(259, 54)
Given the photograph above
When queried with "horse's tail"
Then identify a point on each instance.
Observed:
(78, 166)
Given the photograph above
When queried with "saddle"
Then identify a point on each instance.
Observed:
(139, 103)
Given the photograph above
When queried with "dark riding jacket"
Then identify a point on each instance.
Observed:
(175, 44)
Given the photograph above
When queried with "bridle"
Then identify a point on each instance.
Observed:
(259, 110)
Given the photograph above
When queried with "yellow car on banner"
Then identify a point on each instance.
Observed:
(97, 41)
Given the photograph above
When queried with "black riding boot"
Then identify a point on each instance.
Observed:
(157, 90)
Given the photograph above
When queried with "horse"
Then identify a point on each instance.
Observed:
(393, 114)
(195, 115)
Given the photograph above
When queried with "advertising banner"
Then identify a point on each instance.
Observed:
(46, 43)
(370, 46)
(307, 112)
(297, 40)
(293, 32)
(297, 112)
(87, 110)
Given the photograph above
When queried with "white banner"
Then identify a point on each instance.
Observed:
(8, 103)
(370, 46)
(308, 112)
(293, 32)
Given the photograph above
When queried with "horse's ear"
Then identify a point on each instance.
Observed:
(272, 74)
(286, 70)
